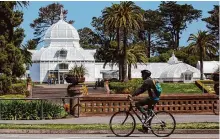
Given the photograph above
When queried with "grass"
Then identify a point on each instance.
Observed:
(204, 125)
(167, 88)
(12, 96)
(183, 88)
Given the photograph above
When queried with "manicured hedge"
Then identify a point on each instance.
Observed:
(30, 110)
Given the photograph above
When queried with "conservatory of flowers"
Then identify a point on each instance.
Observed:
(62, 51)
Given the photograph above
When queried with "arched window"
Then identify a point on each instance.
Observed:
(188, 75)
(63, 66)
(63, 53)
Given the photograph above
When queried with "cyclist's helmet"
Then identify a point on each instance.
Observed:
(146, 73)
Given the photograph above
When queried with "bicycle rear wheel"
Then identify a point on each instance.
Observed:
(122, 123)
(162, 124)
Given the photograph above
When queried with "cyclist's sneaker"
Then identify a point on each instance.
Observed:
(143, 130)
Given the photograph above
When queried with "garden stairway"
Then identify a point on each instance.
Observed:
(60, 90)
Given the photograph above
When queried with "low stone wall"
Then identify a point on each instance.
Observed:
(184, 104)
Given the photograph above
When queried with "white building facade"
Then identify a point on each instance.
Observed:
(62, 51)
(209, 67)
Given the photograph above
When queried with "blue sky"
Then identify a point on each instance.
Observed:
(83, 11)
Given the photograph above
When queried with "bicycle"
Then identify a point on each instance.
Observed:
(156, 122)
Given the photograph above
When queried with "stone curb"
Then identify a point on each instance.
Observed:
(86, 131)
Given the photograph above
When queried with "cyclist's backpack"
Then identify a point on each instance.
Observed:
(158, 88)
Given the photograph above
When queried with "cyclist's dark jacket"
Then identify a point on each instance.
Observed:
(150, 87)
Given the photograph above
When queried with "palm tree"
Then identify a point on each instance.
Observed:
(124, 16)
(111, 23)
(130, 17)
(202, 44)
(136, 53)
(22, 3)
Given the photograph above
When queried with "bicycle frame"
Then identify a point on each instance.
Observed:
(131, 108)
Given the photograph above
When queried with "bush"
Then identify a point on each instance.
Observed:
(6, 83)
(125, 87)
(21, 81)
(30, 110)
(19, 88)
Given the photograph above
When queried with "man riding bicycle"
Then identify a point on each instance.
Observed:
(148, 85)
(160, 123)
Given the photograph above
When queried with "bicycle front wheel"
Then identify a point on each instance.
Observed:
(162, 124)
(122, 123)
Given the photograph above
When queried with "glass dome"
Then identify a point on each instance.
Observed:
(173, 60)
(61, 30)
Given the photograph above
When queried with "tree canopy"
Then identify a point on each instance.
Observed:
(47, 16)
(176, 17)
(213, 23)
(11, 36)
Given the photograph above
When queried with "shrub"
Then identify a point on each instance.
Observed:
(19, 88)
(125, 87)
(21, 81)
(6, 83)
(8, 88)
(30, 110)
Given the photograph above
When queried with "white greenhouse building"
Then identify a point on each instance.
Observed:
(62, 51)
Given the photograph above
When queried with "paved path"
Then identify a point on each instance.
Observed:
(105, 120)
(105, 136)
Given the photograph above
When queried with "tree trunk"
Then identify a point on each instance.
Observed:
(120, 64)
(177, 39)
(173, 40)
(124, 75)
(201, 63)
(129, 71)
(118, 40)
(119, 54)
(149, 45)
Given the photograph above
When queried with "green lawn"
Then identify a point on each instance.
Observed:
(204, 125)
(167, 88)
(183, 88)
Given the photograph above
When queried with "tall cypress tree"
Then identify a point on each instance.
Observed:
(47, 16)
(11, 37)
(176, 17)
(213, 23)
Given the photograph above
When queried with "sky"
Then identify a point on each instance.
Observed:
(83, 11)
